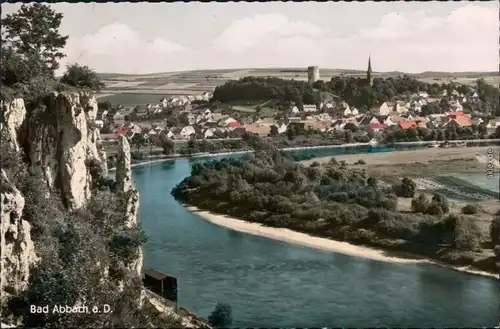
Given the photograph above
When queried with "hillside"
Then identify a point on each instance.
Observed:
(145, 88)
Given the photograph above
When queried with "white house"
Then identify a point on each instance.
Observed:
(228, 121)
(389, 122)
(374, 120)
(187, 131)
(206, 95)
(208, 133)
(98, 124)
(207, 112)
(310, 108)
(327, 106)
(347, 112)
(354, 111)
(492, 125)
(191, 119)
(385, 109)
(401, 107)
(423, 94)
(295, 110)
(456, 106)
(170, 134)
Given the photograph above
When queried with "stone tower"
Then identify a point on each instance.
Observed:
(312, 74)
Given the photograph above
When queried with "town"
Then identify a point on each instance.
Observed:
(452, 112)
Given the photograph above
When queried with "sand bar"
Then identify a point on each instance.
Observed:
(286, 235)
(412, 156)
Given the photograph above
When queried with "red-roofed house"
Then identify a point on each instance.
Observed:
(407, 124)
(234, 124)
(456, 114)
(376, 127)
(460, 121)
(121, 131)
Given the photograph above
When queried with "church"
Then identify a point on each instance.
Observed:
(368, 81)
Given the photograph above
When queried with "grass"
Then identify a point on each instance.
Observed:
(130, 99)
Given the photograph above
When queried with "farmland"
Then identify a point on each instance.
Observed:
(149, 88)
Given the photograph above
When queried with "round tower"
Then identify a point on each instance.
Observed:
(312, 74)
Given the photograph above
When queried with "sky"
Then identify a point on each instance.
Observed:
(410, 37)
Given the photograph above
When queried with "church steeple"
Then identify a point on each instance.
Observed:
(369, 71)
(369, 64)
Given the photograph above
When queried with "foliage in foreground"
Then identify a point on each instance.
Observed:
(76, 251)
(221, 316)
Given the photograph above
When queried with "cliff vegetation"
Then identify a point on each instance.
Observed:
(70, 235)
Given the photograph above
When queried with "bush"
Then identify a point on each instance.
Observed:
(82, 77)
(315, 164)
(333, 161)
(221, 316)
(466, 234)
(420, 204)
(470, 209)
(406, 189)
(495, 229)
(360, 162)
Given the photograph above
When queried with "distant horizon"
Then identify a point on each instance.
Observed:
(300, 68)
(143, 38)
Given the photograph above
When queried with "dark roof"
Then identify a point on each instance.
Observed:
(155, 274)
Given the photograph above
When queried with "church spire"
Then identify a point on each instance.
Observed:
(369, 71)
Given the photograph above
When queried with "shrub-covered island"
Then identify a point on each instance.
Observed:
(338, 202)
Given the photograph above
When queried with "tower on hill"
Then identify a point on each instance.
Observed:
(312, 74)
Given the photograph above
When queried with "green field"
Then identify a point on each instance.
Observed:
(148, 88)
(132, 99)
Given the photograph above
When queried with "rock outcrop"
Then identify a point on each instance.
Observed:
(61, 139)
(14, 115)
(17, 249)
(125, 188)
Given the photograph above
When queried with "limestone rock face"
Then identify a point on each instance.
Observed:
(17, 252)
(125, 188)
(14, 114)
(62, 139)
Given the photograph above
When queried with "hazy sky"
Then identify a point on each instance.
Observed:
(161, 37)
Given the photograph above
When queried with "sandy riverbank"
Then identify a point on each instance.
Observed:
(413, 156)
(286, 235)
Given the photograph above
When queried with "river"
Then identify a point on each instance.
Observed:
(275, 284)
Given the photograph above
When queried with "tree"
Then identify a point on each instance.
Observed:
(167, 144)
(349, 136)
(412, 134)
(138, 140)
(82, 77)
(351, 126)
(221, 316)
(290, 132)
(274, 130)
(408, 188)
(34, 30)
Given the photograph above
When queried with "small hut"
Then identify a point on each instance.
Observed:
(161, 283)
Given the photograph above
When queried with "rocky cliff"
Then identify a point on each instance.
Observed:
(17, 252)
(60, 138)
(125, 188)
